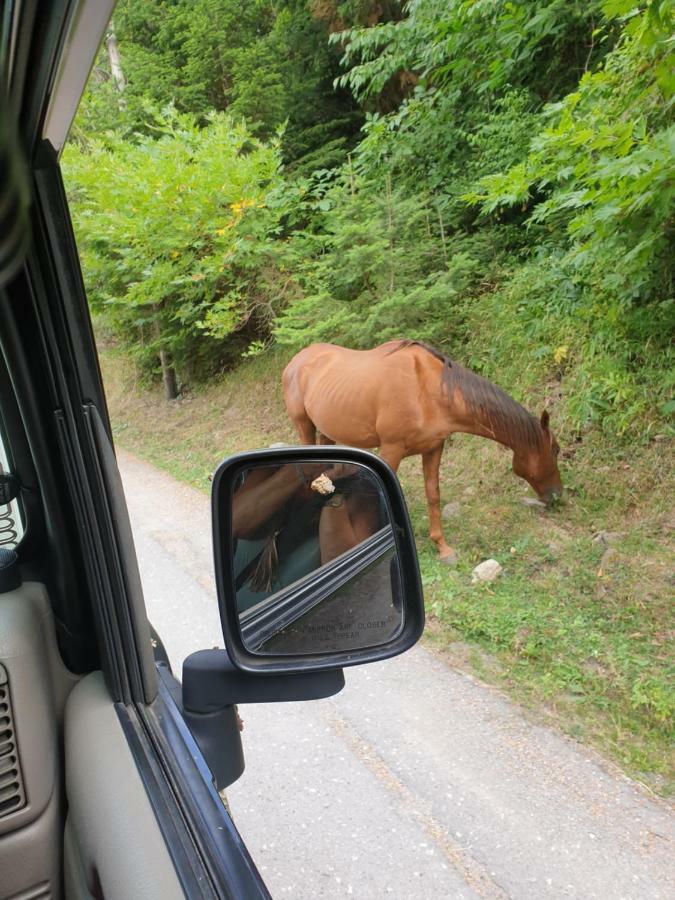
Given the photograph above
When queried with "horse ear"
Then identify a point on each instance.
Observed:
(544, 420)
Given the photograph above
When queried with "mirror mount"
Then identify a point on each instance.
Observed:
(212, 688)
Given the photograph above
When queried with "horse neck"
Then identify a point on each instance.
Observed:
(476, 406)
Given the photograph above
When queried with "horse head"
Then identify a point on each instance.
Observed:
(539, 465)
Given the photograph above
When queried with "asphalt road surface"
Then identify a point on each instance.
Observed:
(416, 781)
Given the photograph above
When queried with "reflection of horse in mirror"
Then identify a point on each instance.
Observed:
(406, 398)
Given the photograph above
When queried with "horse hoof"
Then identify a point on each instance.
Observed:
(449, 559)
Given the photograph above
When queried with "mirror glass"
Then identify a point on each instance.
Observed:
(314, 558)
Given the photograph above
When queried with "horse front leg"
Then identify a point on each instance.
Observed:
(431, 463)
(392, 454)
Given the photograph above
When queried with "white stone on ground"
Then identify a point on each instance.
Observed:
(488, 570)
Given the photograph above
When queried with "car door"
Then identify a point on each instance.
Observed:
(103, 791)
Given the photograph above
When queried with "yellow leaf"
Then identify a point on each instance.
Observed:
(221, 231)
(560, 354)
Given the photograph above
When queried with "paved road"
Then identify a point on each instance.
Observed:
(416, 781)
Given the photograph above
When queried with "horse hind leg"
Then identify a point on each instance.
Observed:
(431, 463)
(295, 406)
(297, 413)
(306, 428)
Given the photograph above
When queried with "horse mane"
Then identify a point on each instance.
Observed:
(508, 421)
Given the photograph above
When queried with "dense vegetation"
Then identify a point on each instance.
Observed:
(494, 176)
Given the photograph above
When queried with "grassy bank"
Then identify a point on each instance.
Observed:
(577, 629)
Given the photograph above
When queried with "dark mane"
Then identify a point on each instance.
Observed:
(508, 422)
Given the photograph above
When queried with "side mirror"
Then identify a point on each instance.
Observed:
(315, 561)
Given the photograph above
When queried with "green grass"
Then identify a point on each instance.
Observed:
(587, 646)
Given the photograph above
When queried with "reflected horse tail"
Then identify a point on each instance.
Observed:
(266, 566)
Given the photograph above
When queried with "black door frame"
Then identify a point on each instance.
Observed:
(49, 350)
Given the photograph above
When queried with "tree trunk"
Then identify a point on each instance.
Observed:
(351, 175)
(168, 376)
(440, 221)
(390, 228)
(168, 371)
(115, 63)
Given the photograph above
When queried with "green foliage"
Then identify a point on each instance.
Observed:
(475, 47)
(465, 79)
(602, 171)
(175, 236)
(266, 61)
(510, 196)
(545, 330)
(550, 250)
(378, 266)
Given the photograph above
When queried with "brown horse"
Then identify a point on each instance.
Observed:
(406, 398)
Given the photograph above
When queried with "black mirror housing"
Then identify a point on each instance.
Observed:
(260, 637)
(212, 689)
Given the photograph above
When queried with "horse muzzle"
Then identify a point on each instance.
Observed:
(551, 496)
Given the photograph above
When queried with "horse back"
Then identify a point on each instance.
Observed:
(361, 397)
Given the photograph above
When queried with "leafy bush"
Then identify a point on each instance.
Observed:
(542, 333)
(379, 265)
(176, 238)
(599, 183)
(267, 61)
(602, 171)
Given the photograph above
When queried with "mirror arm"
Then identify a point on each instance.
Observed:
(212, 686)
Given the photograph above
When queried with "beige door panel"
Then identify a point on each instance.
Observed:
(50, 721)
(34, 686)
(114, 839)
